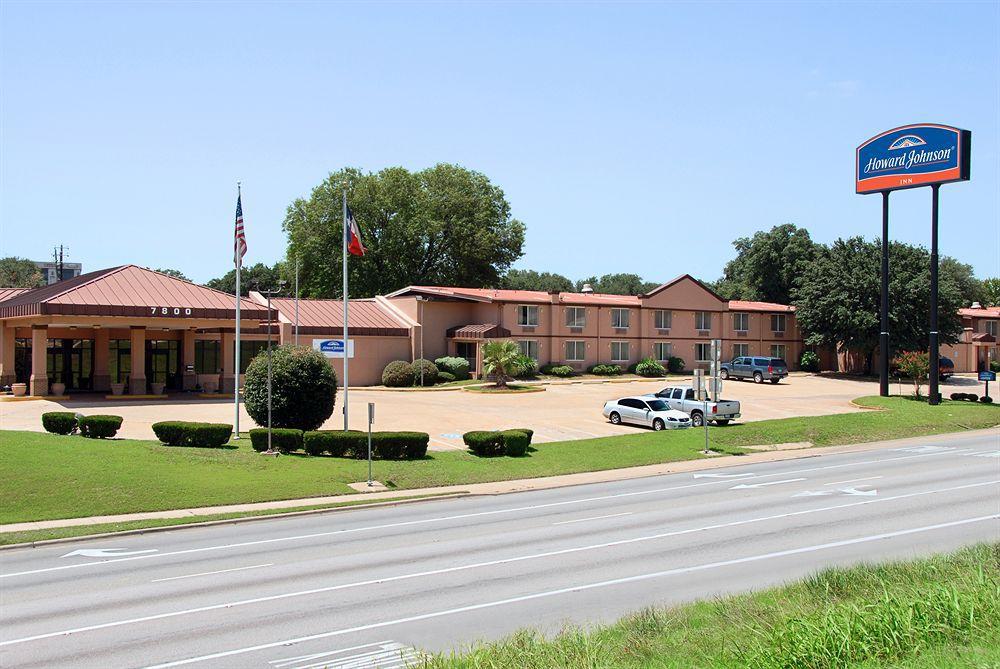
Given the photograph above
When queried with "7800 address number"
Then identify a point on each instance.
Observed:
(168, 311)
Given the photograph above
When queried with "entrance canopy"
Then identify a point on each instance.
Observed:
(479, 331)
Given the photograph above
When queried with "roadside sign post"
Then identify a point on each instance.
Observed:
(701, 393)
(371, 419)
(987, 376)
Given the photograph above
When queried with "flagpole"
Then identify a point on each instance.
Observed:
(236, 386)
(296, 300)
(346, 347)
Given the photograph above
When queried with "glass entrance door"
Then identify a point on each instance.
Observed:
(467, 350)
(71, 362)
(162, 363)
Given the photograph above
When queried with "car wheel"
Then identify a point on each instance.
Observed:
(697, 420)
(658, 425)
(775, 381)
(724, 374)
(616, 419)
(758, 377)
(724, 421)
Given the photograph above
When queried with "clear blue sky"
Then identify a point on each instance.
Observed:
(628, 137)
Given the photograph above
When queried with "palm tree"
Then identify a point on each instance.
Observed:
(499, 360)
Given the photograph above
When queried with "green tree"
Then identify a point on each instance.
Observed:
(177, 274)
(254, 277)
(529, 279)
(500, 359)
(303, 388)
(445, 225)
(618, 284)
(915, 365)
(768, 265)
(838, 298)
(991, 292)
(970, 288)
(19, 273)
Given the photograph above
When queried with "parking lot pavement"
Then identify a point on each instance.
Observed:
(562, 412)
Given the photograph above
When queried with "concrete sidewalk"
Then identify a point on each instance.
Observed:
(793, 451)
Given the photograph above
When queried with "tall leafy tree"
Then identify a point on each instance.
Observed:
(19, 273)
(254, 277)
(529, 279)
(768, 265)
(445, 225)
(970, 288)
(838, 298)
(177, 274)
(991, 292)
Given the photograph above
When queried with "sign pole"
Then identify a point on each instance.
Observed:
(371, 419)
(935, 354)
(883, 336)
(344, 243)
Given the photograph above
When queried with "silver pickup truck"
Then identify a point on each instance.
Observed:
(682, 398)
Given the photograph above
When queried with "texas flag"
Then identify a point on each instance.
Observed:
(352, 235)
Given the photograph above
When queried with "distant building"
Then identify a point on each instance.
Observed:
(50, 270)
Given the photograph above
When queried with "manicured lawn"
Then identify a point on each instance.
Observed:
(938, 612)
(509, 388)
(47, 476)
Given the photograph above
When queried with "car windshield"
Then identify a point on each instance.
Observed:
(658, 405)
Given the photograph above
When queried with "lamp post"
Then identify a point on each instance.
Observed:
(268, 293)
(420, 318)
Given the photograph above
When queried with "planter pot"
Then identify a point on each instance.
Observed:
(19, 389)
(58, 389)
(157, 388)
(211, 386)
(117, 388)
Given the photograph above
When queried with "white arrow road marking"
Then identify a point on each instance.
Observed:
(924, 449)
(847, 491)
(722, 476)
(743, 486)
(106, 552)
(813, 493)
(863, 493)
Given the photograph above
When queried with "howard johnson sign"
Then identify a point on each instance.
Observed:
(912, 156)
(333, 348)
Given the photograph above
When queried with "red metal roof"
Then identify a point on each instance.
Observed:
(519, 296)
(7, 293)
(478, 331)
(984, 312)
(128, 290)
(366, 316)
(743, 305)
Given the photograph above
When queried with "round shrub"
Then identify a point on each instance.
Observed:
(675, 365)
(972, 397)
(650, 367)
(338, 443)
(484, 443)
(515, 443)
(100, 427)
(430, 372)
(59, 422)
(454, 365)
(986, 399)
(446, 377)
(605, 370)
(283, 439)
(525, 367)
(957, 396)
(558, 370)
(809, 362)
(398, 374)
(304, 387)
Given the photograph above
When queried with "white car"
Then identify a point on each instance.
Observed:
(649, 411)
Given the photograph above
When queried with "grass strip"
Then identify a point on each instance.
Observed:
(938, 612)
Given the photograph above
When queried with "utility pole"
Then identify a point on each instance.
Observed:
(57, 259)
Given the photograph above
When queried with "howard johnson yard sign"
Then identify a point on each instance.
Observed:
(911, 156)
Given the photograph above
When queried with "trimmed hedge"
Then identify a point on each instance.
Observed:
(453, 365)
(335, 442)
(284, 439)
(986, 399)
(515, 443)
(446, 377)
(492, 443)
(430, 372)
(59, 422)
(354, 444)
(675, 365)
(650, 367)
(198, 435)
(605, 370)
(397, 374)
(558, 370)
(100, 426)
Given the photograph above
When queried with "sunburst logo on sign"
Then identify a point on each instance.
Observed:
(906, 141)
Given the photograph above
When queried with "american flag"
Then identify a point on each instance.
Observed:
(240, 241)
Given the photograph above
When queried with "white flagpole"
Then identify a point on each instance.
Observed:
(344, 241)
(239, 265)
(296, 300)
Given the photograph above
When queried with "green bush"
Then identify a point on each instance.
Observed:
(605, 370)
(972, 397)
(397, 446)
(100, 427)
(59, 422)
(558, 370)
(453, 365)
(283, 439)
(675, 365)
(304, 387)
(525, 367)
(335, 442)
(528, 432)
(958, 397)
(650, 367)
(198, 435)
(398, 374)
(986, 399)
(995, 365)
(515, 443)
(484, 443)
(446, 377)
(809, 362)
(430, 372)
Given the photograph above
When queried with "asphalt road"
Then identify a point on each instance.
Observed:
(365, 588)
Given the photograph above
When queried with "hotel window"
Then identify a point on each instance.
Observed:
(576, 351)
(206, 356)
(990, 328)
(703, 352)
(777, 322)
(576, 317)
(741, 350)
(778, 351)
(619, 351)
(741, 322)
(529, 347)
(619, 318)
(249, 350)
(662, 351)
(703, 320)
(119, 360)
(662, 319)
(527, 315)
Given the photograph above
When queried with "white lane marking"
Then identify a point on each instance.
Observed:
(860, 493)
(867, 478)
(576, 588)
(986, 454)
(813, 493)
(389, 657)
(924, 449)
(583, 520)
(744, 486)
(106, 552)
(722, 476)
(281, 662)
(461, 516)
(478, 565)
(209, 573)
